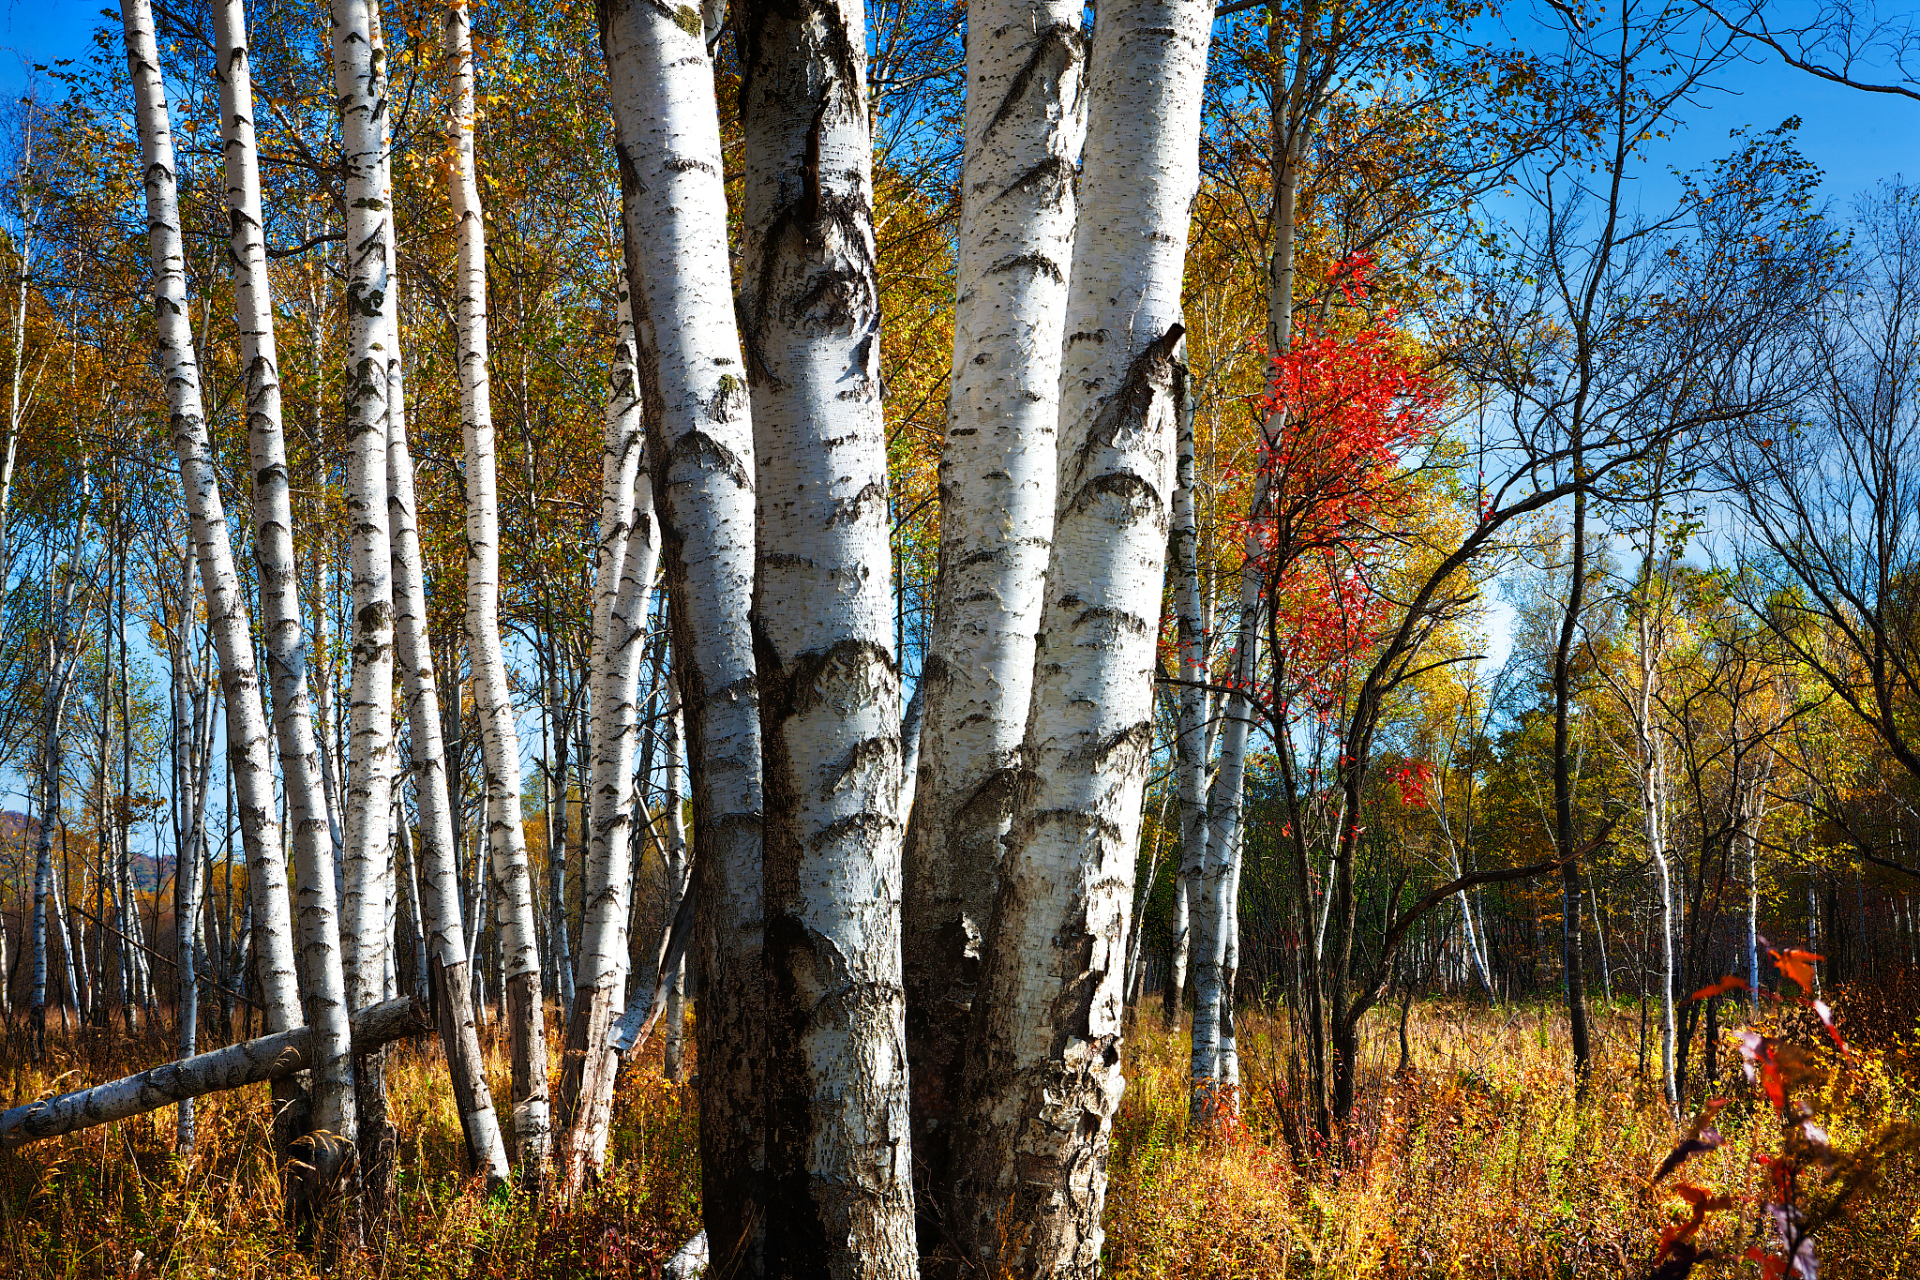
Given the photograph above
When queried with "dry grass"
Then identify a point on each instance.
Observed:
(1477, 1163)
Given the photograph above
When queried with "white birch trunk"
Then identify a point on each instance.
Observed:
(629, 553)
(840, 1196)
(248, 748)
(1024, 125)
(59, 675)
(270, 1057)
(1193, 740)
(660, 83)
(360, 87)
(1653, 818)
(500, 740)
(189, 888)
(29, 215)
(439, 878)
(1044, 1072)
(311, 829)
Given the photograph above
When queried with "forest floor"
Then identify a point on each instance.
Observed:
(1476, 1162)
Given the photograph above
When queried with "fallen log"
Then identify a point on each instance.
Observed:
(234, 1067)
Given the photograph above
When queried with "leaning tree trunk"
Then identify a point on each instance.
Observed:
(840, 1197)
(439, 878)
(1190, 744)
(1044, 1073)
(273, 544)
(271, 1057)
(660, 82)
(500, 741)
(1201, 865)
(248, 749)
(1024, 118)
(629, 553)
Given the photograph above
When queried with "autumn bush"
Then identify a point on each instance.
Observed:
(1475, 1162)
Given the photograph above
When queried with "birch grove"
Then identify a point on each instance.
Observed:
(973, 513)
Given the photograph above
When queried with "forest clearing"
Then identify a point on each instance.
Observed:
(960, 640)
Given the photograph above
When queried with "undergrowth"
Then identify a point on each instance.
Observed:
(1476, 1162)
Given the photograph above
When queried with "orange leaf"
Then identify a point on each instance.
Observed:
(1720, 988)
(1797, 965)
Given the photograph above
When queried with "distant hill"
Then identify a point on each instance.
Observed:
(148, 869)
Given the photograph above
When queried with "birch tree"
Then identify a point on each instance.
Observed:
(628, 555)
(840, 1197)
(1043, 1073)
(286, 649)
(500, 740)
(672, 1049)
(700, 438)
(360, 88)
(439, 877)
(1024, 123)
(247, 745)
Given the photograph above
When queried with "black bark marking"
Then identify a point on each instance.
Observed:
(1055, 51)
(849, 510)
(1039, 262)
(702, 452)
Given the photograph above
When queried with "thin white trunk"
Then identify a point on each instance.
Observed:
(500, 740)
(189, 891)
(1025, 117)
(248, 748)
(360, 87)
(310, 824)
(1227, 1045)
(677, 869)
(439, 877)
(58, 683)
(674, 207)
(1200, 940)
(1044, 1065)
(629, 554)
(29, 215)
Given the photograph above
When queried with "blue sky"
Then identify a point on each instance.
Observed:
(1858, 138)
